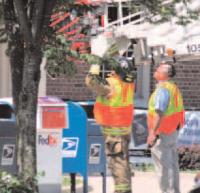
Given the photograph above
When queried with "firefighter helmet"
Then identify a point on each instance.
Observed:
(125, 69)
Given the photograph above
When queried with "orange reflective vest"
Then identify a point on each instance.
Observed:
(174, 115)
(117, 110)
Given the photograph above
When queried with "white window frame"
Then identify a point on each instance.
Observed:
(142, 83)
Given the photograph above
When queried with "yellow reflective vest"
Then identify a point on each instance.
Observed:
(117, 110)
(174, 115)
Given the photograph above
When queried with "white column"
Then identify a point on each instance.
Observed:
(43, 82)
(105, 15)
(5, 73)
(120, 14)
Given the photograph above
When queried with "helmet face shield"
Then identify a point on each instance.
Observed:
(122, 67)
(125, 70)
(123, 64)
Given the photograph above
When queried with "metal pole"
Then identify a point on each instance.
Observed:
(73, 182)
(104, 182)
(85, 184)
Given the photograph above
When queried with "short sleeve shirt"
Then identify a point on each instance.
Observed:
(162, 98)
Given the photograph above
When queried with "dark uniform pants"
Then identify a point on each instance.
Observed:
(116, 148)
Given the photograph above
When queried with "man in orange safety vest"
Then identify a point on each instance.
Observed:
(165, 118)
(113, 110)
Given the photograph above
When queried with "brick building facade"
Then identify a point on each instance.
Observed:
(71, 88)
(188, 79)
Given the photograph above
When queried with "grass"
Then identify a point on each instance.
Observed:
(142, 167)
(149, 167)
(67, 180)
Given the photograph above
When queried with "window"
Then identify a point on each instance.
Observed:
(142, 82)
(115, 14)
(112, 13)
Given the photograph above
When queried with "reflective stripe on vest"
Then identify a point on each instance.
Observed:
(122, 188)
(116, 111)
(174, 115)
(116, 131)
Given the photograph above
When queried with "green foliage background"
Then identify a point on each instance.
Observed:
(61, 59)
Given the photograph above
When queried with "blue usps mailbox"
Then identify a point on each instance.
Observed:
(96, 149)
(74, 144)
(96, 154)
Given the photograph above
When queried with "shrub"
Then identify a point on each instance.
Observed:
(189, 157)
(16, 184)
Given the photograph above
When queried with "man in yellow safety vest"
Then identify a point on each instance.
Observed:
(165, 118)
(113, 110)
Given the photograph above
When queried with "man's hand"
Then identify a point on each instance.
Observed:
(153, 134)
(151, 138)
(94, 69)
(96, 84)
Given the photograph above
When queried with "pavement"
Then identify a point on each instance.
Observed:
(142, 182)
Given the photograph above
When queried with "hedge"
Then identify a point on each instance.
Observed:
(189, 157)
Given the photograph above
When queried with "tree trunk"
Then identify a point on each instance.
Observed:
(17, 64)
(25, 43)
(26, 112)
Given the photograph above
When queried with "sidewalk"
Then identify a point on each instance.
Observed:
(142, 182)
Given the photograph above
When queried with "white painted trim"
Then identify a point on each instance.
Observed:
(5, 73)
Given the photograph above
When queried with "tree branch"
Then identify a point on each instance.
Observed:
(9, 16)
(49, 5)
(23, 21)
(37, 18)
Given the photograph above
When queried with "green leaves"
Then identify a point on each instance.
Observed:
(16, 184)
(91, 59)
(183, 20)
(61, 48)
(60, 57)
(161, 11)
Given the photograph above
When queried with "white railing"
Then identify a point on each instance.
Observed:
(125, 21)
(130, 18)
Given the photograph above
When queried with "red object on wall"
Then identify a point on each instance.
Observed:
(102, 21)
(83, 51)
(89, 2)
(86, 2)
(55, 16)
(77, 45)
(77, 36)
(61, 18)
(73, 22)
(72, 32)
(80, 45)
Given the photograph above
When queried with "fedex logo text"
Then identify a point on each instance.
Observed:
(47, 140)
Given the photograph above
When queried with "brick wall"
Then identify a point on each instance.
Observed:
(187, 78)
(72, 88)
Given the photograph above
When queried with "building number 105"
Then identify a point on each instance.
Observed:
(193, 48)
